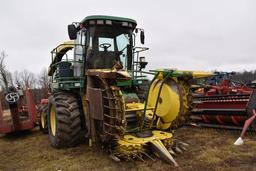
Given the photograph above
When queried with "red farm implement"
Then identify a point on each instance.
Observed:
(17, 111)
(224, 105)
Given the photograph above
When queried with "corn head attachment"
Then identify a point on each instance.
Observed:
(122, 129)
(166, 107)
(130, 129)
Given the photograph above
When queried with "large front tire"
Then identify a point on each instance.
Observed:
(64, 121)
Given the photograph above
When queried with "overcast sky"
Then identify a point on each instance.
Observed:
(183, 34)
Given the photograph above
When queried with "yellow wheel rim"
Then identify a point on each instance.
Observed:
(53, 120)
(43, 119)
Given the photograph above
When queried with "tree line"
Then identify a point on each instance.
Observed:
(245, 77)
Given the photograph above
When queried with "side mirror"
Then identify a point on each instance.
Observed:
(142, 62)
(142, 37)
(72, 30)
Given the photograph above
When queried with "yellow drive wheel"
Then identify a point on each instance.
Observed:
(42, 119)
(43, 110)
(53, 120)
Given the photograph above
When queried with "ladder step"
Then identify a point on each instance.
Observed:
(109, 125)
(112, 117)
(112, 108)
(109, 98)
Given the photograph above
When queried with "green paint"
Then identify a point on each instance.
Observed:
(124, 83)
(174, 73)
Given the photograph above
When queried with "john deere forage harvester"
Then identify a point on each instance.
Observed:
(97, 94)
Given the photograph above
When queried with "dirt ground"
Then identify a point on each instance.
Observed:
(209, 149)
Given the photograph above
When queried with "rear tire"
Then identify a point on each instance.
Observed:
(64, 121)
(43, 119)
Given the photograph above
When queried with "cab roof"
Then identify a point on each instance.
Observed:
(106, 17)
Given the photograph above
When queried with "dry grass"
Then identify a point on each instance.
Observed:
(209, 150)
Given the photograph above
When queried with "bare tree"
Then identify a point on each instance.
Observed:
(17, 79)
(28, 79)
(25, 78)
(43, 82)
(9, 78)
(43, 79)
(245, 76)
(6, 76)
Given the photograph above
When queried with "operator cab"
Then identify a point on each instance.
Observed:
(107, 40)
(108, 47)
(98, 42)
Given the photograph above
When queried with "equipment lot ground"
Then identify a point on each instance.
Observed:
(209, 149)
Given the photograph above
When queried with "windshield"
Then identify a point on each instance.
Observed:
(108, 46)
